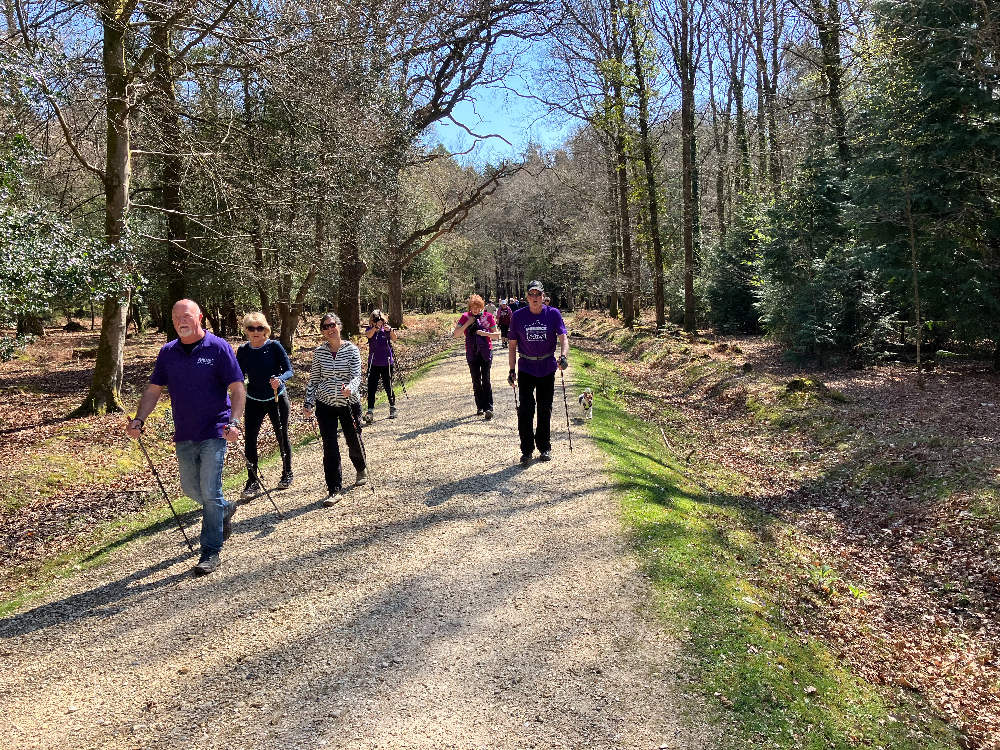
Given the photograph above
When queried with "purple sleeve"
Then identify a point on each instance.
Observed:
(159, 376)
(229, 368)
(562, 325)
(513, 329)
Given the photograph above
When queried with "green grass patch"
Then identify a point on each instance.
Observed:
(720, 569)
(98, 545)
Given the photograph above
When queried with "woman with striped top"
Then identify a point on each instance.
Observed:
(332, 391)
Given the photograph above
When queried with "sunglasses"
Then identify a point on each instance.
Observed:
(256, 329)
(534, 294)
(327, 326)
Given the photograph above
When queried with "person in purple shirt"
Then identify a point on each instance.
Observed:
(479, 329)
(201, 373)
(380, 363)
(536, 333)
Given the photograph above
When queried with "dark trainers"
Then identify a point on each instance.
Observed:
(252, 489)
(479, 412)
(362, 477)
(545, 456)
(286, 480)
(392, 412)
(525, 459)
(369, 416)
(208, 563)
(489, 415)
(227, 523)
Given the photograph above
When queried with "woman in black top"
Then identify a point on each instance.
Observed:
(266, 367)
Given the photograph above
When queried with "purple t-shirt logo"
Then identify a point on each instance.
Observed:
(537, 331)
(537, 339)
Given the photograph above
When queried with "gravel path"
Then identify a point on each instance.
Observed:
(471, 604)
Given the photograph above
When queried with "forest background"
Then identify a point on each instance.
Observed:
(824, 172)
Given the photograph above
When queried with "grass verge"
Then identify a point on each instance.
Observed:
(720, 570)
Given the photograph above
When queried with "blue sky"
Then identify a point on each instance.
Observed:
(504, 113)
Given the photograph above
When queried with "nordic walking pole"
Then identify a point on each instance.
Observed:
(277, 434)
(164, 491)
(256, 478)
(517, 414)
(364, 451)
(566, 404)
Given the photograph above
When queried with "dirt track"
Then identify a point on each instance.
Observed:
(471, 604)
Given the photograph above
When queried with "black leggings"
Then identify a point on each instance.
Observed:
(277, 411)
(383, 372)
(482, 389)
(328, 417)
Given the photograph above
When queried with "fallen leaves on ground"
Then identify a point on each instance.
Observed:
(893, 487)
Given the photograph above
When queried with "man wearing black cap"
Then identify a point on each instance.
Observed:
(536, 333)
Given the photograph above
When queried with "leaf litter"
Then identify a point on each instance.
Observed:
(893, 488)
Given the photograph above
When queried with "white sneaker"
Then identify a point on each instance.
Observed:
(362, 477)
(330, 500)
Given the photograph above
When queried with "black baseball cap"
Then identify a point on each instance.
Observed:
(536, 285)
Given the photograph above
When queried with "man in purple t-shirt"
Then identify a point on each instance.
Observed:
(201, 372)
(536, 333)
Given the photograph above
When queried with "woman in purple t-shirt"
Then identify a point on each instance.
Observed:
(479, 328)
(380, 363)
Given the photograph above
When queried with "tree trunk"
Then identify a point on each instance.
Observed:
(352, 269)
(687, 76)
(914, 267)
(165, 103)
(624, 223)
(396, 293)
(828, 22)
(30, 325)
(105, 387)
(614, 234)
(621, 167)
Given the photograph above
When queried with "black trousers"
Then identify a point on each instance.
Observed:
(328, 417)
(277, 412)
(535, 392)
(503, 334)
(482, 389)
(384, 373)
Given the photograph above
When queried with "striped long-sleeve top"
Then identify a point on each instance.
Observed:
(330, 372)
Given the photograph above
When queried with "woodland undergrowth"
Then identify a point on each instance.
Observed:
(851, 517)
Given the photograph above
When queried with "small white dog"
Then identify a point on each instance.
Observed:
(586, 404)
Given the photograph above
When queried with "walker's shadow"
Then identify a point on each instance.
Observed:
(444, 424)
(481, 483)
(93, 603)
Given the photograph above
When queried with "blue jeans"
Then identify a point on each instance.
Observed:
(200, 467)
